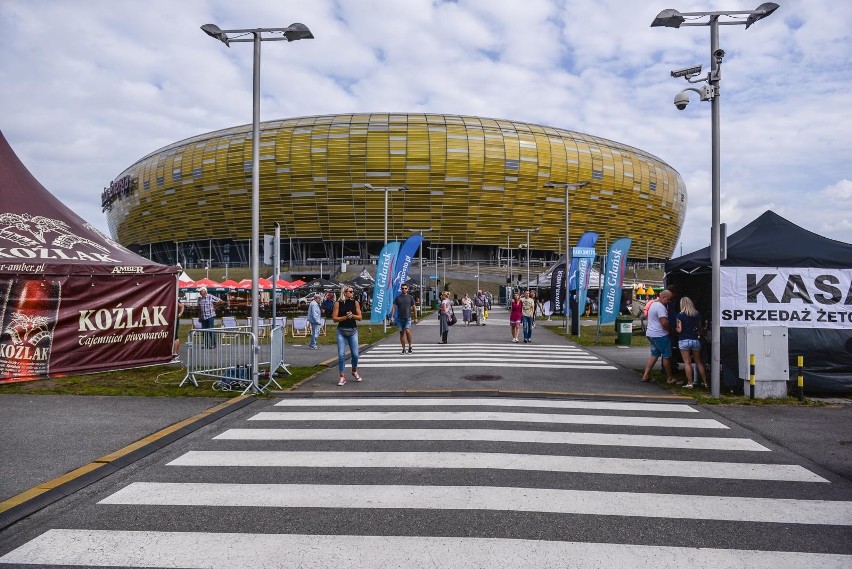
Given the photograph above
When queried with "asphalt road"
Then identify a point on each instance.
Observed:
(542, 463)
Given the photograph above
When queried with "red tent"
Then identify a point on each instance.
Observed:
(206, 283)
(72, 300)
(229, 284)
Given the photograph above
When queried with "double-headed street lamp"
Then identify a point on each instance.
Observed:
(386, 190)
(566, 303)
(293, 32)
(528, 230)
(671, 18)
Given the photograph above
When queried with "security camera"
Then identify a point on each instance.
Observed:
(681, 100)
(719, 53)
(687, 72)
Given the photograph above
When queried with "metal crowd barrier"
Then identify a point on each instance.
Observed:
(225, 355)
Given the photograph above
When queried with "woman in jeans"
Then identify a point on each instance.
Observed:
(347, 312)
(688, 326)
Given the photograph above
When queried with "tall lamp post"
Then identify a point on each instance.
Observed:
(386, 190)
(671, 18)
(528, 230)
(436, 250)
(568, 188)
(293, 32)
(421, 232)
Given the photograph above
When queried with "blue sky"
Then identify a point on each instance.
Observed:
(87, 87)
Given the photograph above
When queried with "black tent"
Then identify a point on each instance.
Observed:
(772, 241)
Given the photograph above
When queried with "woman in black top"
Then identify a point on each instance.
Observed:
(688, 327)
(347, 312)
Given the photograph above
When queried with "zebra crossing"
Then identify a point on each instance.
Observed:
(482, 355)
(459, 482)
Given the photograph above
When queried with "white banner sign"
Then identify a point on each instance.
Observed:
(792, 297)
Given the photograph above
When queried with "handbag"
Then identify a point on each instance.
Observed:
(347, 332)
(452, 319)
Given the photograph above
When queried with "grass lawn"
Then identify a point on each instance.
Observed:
(163, 380)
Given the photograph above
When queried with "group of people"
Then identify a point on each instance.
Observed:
(522, 313)
(685, 327)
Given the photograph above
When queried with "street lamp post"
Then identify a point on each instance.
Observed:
(386, 190)
(671, 18)
(436, 251)
(568, 188)
(421, 232)
(292, 32)
(528, 230)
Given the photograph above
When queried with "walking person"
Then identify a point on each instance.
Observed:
(347, 313)
(467, 308)
(527, 315)
(689, 342)
(539, 309)
(479, 302)
(403, 308)
(207, 305)
(658, 335)
(315, 320)
(445, 311)
(515, 317)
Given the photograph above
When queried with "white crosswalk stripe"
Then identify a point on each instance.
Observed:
(498, 461)
(485, 498)
(483, 355)
(103, 548)
(520, 461)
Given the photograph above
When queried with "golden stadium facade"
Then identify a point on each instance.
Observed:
(472, 181)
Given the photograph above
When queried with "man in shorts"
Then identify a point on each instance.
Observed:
(403, 308)
(658, 335)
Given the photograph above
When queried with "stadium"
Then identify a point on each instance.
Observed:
(470, 182)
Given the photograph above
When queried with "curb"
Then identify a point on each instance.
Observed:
(30, 501)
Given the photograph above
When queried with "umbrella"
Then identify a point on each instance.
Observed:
(321, 284)
(207, 283)
(183, 285)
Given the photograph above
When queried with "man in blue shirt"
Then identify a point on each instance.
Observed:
(315, 320)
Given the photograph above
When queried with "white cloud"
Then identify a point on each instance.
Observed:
(90, 86)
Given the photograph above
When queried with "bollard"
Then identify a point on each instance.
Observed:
(751, 376)
(800, 380)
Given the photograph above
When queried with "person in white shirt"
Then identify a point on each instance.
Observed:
(658, 335)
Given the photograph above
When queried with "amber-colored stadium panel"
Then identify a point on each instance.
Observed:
(472, 180)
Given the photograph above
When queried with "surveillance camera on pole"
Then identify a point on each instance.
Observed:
(687, 72)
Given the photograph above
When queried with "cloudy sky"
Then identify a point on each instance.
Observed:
(87, 87)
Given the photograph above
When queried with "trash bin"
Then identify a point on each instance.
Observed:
(434, 305)
(623, 330)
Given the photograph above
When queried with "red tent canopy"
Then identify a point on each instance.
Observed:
(207, 283)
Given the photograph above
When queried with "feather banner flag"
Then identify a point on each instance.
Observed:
(383, 290)
(403, 263)
(613, 276)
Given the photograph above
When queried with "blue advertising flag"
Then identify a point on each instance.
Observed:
(557, 288)
(587, 240)
(403, 263)
(584, 271)
(613, 279)
(383, 289)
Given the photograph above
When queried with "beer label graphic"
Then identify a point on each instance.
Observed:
(40, 237)
(27, 326)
